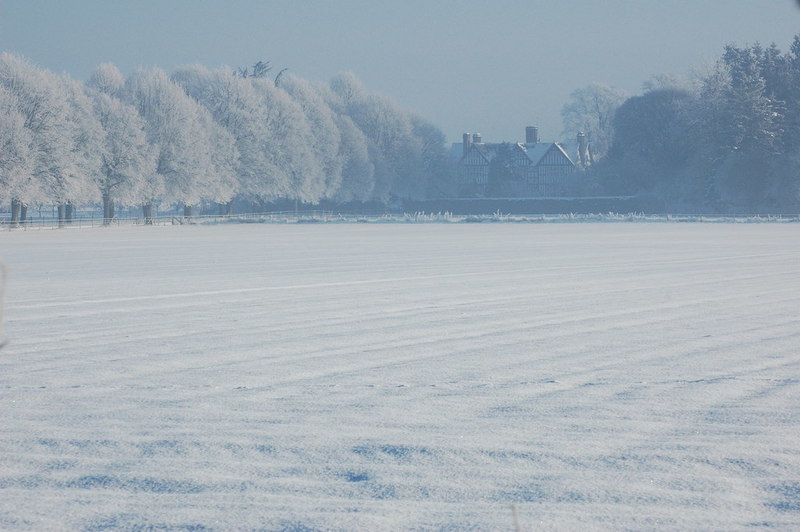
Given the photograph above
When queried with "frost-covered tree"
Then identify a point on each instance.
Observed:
(437, 179)
(358, 171)
(752, 128)
(394, 151)
(298, 173)
(369, 115)
(42, 102)
(236, 105)
(127, 160)
(591, 110)
(753, 117)
(216, 94)
(355, 150)
(204, 135)
(15, 147)
(107, 79)
(346, 90)
(174, 129)
(86, 147)
(325, 134)
(220, 183)
(670, 82)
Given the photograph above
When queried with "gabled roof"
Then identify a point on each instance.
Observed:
(534, 152)
(487, 151)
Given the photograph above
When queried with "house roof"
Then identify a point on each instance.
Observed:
(487, 150)
(534, 152)
(571, 148)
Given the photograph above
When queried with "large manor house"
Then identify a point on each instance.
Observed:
(516, 170)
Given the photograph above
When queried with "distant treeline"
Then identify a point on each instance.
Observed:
(201, 136)
(729, 140)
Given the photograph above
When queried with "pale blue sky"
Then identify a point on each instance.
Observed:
(487, 66)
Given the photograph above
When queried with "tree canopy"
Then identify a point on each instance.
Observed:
(200, 136)
(726, 142)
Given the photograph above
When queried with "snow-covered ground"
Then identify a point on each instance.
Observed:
(402, 377)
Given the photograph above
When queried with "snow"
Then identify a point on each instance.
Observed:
(401, 377)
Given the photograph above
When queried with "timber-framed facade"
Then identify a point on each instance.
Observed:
(519, 170)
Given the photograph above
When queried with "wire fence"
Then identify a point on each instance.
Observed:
(79, 222)
(293, 217)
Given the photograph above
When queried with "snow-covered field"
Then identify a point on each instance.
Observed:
(402, 377)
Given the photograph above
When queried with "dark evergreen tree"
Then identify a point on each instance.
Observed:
(501, 171)
(731, 144)
(651, 147)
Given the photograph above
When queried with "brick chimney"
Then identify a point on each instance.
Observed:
(466, 142)
(531, 135)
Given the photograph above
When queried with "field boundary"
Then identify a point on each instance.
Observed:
(282, 217)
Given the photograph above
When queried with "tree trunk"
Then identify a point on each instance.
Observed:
(108, 208)
(147, 210)
(23, 212)
(69, 212)
(187, 211)
(61, 215)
